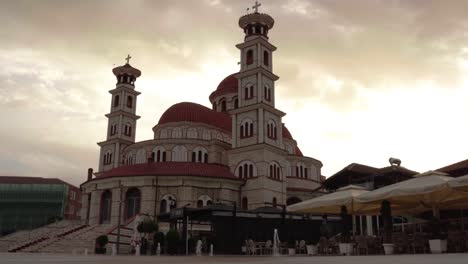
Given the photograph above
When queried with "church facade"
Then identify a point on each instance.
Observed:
(239, 151)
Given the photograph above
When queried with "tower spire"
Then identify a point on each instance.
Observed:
(128, 58)
(256, 6)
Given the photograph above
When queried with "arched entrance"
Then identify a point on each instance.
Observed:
(132, 203)
(106, 206)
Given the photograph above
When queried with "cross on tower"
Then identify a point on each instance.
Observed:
(256, 6)
(128, 58)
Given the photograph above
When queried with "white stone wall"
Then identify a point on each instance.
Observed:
(185, 189)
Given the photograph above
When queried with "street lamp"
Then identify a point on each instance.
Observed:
(186, 229)
(119, 219)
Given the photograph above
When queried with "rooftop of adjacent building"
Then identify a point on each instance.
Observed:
(32, 180)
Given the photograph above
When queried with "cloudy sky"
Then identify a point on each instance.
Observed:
(360, 80)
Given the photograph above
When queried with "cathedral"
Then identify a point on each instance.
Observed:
(237, 151)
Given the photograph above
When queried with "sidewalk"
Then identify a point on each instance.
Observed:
(24, 258)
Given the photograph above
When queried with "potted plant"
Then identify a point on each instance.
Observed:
(345, 245)
(172, 238)
(437, 243)
(158, 238)
(291, 247)
(101, 242)
(386, 213)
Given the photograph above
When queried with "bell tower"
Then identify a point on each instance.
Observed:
(257, 153)
(122, 117)
(257, 120)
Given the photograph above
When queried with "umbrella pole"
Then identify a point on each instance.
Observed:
(462, 221)
(354, 225)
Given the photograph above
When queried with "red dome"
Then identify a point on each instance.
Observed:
(298, 152)
(191, 112)
(286, 133)
(228, 85)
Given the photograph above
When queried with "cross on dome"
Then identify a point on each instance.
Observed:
(128, 58)
(256, 6)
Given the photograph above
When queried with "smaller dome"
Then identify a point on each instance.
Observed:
(298, 152)
(126, 69)
(286, 133)
(192, 112)
(256, 18)
(229, 85)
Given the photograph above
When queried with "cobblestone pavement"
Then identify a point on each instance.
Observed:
(22, 258)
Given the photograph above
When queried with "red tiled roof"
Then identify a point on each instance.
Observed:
(226, 86)
(29, 180)
(193, 112)
(171, 169)
(299, 152)
(286, 133)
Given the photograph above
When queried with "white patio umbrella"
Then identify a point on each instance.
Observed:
(331, 203)
(428, 190)
(460, 183)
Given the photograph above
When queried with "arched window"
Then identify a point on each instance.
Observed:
(199, 154)
(128, 130)
(113, 129)
(271, 129)
(249, 91)
(177, 133)
(168, 202)
(236, 103)
(274, 171)
(250, 57)
(159, 154)
(141, 156)
(266, 58)
(245, 203)
(179, 153)
(246, 128)
(203, 200)
(267, 93)
(223, 105)
(129, 101)
(192, 133)
(116, 100)
(273, 202)
(107, 159)
(199, 204)
(246, 169)
(301, 170)
(131, 158)
(132, 203)
(106, 207)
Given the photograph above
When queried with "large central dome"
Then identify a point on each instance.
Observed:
(192, 112)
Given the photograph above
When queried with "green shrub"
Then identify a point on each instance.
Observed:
(101, 241)
(172, 238)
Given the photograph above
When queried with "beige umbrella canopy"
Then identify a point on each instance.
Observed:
(428, 190)
(330, 203)
(460, 183)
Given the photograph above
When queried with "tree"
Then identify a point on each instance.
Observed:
(172, 238)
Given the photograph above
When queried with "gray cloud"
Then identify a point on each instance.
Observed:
(57, 56)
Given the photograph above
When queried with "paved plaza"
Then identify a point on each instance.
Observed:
(20, 258)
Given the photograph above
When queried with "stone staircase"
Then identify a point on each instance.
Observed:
(23, 239)
(69, 237)
(79, 240)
